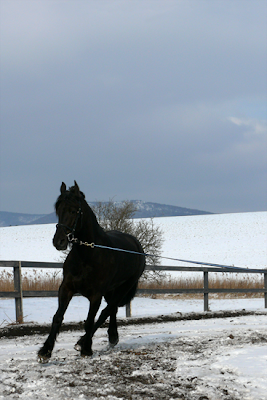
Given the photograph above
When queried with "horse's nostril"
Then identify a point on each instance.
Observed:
(60, 244)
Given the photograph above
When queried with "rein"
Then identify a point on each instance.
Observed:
(72, 239)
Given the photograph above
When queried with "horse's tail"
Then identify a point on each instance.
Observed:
(132, 287)
(128, 296)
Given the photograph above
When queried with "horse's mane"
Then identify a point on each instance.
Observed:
(70, 196)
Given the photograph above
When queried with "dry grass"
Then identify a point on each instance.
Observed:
(38, 280)
(220, 281)
(217, 282)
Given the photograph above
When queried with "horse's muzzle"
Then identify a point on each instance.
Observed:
(60, 242)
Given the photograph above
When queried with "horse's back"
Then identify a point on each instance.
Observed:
(125, 241)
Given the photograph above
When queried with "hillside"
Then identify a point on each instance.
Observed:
(231, 239)
(144, 210)
(152, 210)
(12, 219)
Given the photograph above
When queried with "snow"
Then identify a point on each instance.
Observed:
(41, 310)
(233, 239)
(29, 243)
(205, 359)
(230, 239)
(222, 358)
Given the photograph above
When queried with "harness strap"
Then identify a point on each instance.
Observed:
(72, 230)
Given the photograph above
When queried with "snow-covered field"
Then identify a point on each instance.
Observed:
(232, 239)
(206, 359)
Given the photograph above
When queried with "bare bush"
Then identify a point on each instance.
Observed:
(119, 216)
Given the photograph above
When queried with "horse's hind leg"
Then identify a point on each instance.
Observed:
(64, 297)
(112, 330)
(120, 298)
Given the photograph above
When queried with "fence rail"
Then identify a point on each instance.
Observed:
(18, 294)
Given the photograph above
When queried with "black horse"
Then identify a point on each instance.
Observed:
(92, 271)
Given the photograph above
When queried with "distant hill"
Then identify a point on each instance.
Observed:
(12, 219)
(144, 210)
(151, 210)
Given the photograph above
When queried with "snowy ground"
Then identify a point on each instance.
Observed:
(217, 358)
(41, 310)
(205, 359)
(222, 358)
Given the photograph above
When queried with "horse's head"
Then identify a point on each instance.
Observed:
(69, 211)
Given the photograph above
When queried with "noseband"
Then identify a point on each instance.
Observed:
(70, 235)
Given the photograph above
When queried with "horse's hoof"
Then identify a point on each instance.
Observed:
(44, 355)
(86, 353)
(114, 343)
(113, 339)
(43, 359)
(77, 347)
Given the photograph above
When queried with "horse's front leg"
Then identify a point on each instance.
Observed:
(64, 297)
(85, 342)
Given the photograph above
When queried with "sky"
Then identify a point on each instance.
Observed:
(162, 101)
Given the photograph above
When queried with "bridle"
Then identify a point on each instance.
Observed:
(70, 235)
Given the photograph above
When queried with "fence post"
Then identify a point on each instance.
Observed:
(18, 288)
(265, 287)
(128, 310)
(206, 290)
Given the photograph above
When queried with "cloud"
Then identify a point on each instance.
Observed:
(254, 127)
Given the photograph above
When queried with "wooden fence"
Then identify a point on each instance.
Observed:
(18, 294)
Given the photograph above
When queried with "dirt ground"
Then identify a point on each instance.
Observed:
(155, 359)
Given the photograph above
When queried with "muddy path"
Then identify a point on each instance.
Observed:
(206, 358)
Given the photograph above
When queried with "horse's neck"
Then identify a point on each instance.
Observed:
(92, 231)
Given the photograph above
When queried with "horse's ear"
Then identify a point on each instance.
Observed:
(77, 189)
(63, 188)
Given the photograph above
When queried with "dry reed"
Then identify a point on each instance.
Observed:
(38, 280)
(222, 281)
(218, 282)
